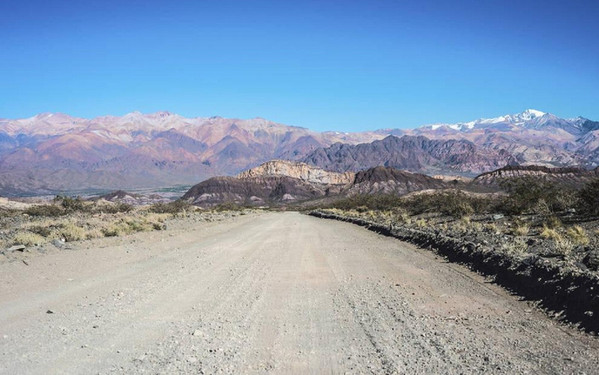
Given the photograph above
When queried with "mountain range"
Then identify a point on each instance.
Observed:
(54, 152)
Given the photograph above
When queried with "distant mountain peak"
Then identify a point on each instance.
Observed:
(532, 113)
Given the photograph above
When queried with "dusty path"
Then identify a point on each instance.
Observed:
(279, 293)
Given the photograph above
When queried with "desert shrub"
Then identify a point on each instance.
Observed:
(453, 203)
(93, 233)
(126, 226)
(491, 228)
(563, 246)
(27, 238)
(521, 228)
(364, 202)
(138, 225)
(420, 223)
(515, 247)
(115, 208)
(457, 205)
(71, 232)
(49, 210)
(553, 222)
(113, 230)
(70, 204)
(43, 231)
(589, 197)
(401, 215)
(533, 195)
(228, 206)
(170, 207)
(5, 212)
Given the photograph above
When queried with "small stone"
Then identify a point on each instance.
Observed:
(192, 359)
(591, 260)
(197, 332)
(20, 248)
(58, 243)
(49, 312)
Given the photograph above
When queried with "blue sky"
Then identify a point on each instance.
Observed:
(325, 65)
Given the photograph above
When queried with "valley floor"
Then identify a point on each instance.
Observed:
(272, 292)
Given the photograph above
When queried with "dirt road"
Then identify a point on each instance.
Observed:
(275, 292)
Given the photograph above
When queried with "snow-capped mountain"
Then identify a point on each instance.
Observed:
(529, 119)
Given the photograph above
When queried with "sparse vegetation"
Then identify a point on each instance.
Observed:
(73, 219)
(589, 198)
(175, 207)
(27, 238)
(453, 203)
(536, 196)
(70, 232)
(48, 210)
(533, 216)
(578, 235)
(521, 228)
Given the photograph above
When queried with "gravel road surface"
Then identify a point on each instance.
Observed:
(270, 293)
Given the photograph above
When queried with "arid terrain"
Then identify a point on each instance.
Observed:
(268, 292)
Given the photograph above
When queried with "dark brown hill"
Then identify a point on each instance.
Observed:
(389, 180)
(253, 191)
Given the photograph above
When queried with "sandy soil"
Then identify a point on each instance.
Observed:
(276, 292)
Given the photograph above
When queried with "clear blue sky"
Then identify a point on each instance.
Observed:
(325, 65)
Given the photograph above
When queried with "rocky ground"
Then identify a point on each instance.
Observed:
(270, 293)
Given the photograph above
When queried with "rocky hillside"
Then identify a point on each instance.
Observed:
(278, 182)
(300, 171)
(413, 153)
(575, 177)
(387, 180)
(273, 182)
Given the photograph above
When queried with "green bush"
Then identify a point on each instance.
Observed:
(536, 196)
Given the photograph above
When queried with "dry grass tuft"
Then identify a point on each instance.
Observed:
(70, 232)
(27, 238)
(521, 229)
(578, 235)
(550, 233)
(515, 247)
(420, 223)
